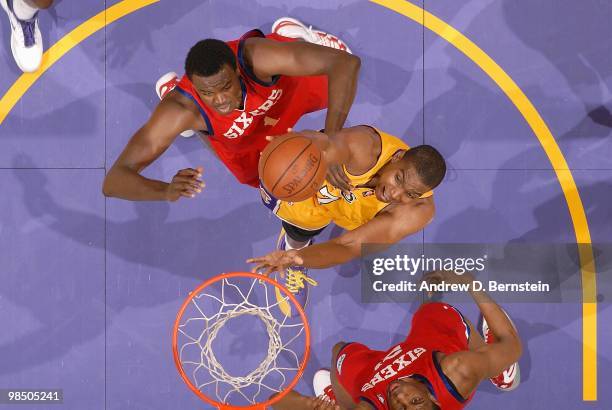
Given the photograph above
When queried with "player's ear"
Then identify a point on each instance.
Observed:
(397, 156)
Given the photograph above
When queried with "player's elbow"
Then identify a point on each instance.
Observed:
(355, 61)
(344, 64)
(109, 186)
(512, 348)
(514, 345)
(352, 63)
(351, 246)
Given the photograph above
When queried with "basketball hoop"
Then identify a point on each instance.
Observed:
(205, 314)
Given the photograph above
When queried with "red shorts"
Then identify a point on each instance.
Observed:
(308, 96)
(438, 326)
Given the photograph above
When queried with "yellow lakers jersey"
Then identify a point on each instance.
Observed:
(347, 211)
(360, 205)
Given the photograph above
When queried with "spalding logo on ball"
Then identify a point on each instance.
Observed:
(291, 168)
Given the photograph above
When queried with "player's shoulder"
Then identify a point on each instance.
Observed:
(176, 108)
(363, 142)
(364, 133)
(253, 46)
(177, 103)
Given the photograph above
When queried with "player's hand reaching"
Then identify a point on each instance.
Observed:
(276, 261)
(338, 178)
(321, 403)
(447, 276)
(335, 171)
(186, 183)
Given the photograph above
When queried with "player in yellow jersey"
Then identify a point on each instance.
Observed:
(390, 199)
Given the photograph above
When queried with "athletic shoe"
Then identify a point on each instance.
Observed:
(321, 383)
(164, 85)
(510, 378)
(296, 281)
(26, 40)
(292, 28)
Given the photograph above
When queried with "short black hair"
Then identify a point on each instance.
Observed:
(428, 163)
(207, 57)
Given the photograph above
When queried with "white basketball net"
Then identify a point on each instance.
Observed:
(225, 385)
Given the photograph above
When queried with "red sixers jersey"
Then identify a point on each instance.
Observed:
(436, 327)
(268, 109)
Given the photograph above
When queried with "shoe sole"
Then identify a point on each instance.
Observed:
(320, 374)
(303, 26)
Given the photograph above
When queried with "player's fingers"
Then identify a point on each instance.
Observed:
(186, 179)
(432, 277)
(187, 194)
(267, 269)
(322, 403)
(332, 178)
(343, 182)
(340, 180)
(197, 185)
(338, 183)
(195, 176)
(189, 183)
(188, 190)
(260, 268)
(190, 186)
(339, 171)
(187, 172)
(316, 403)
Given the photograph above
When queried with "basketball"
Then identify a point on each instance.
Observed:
(291, 168)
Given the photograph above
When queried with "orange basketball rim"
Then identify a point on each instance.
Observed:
(255, 278)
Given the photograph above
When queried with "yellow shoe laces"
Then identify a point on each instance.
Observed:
(294, 280)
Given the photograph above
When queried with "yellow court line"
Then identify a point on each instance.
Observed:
(64, 45)
(556, 158)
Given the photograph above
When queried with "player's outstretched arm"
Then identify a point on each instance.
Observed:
(467, 369)
(124, 180)
(270, 58)
(385, 229)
